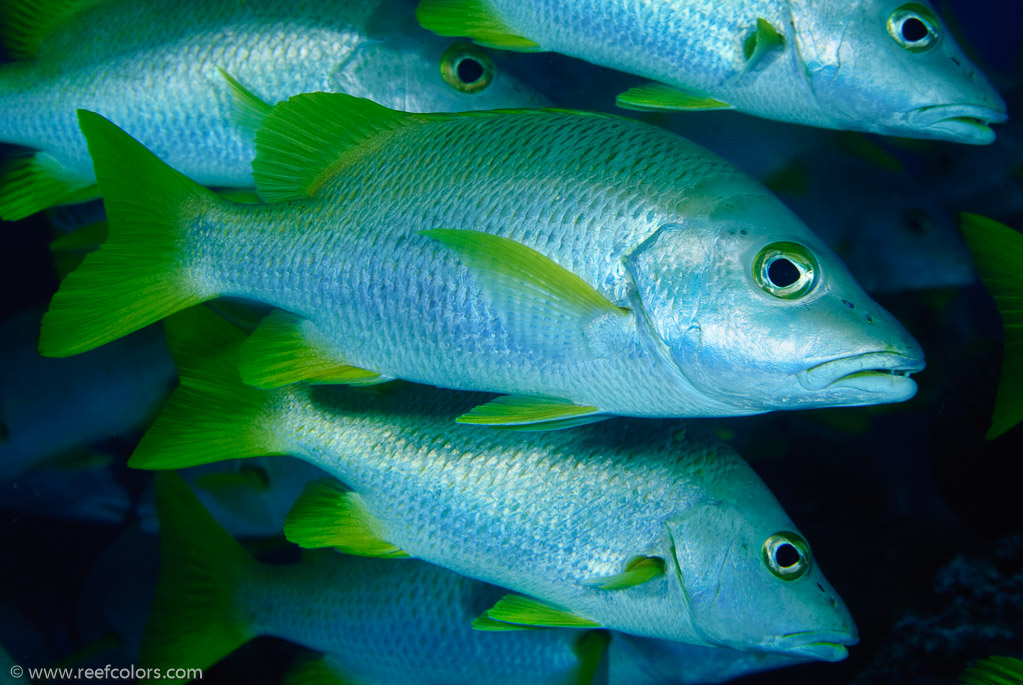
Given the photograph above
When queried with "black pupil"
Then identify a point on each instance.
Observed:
(469, 70)
(913, 30)
(783, 273)
(786, 555)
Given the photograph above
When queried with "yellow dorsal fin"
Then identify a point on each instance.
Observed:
(304, 140)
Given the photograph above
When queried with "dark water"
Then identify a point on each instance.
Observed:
(910, 511)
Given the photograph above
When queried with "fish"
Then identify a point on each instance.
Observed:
(882, 66)
(998, 254)
(995, 670)
(372, 621)
(651, 528)
(53, 412)
(585, 265)
(166, 71)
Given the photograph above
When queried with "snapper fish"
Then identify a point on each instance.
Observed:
(884, 66)
(373, 621)
(587, 265)
(158, 69)
(643, 527)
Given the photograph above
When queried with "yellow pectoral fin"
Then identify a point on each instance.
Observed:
(526, 611)
(761, 42)
(652, 96)
(637, 571)
(327, 515)
(544, 306)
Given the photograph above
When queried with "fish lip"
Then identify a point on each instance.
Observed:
(825, 645)
(965, 122)
(885, 370)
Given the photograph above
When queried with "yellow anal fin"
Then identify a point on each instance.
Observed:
(998, 254)
(590, 649)
(525, 611)
(286, 348)
(652, 96)
(25, 24)
(544, 306)
(638, 570)
(761, 42)
(327, 515)
(530, 413)
(476, 19)
(32, 184)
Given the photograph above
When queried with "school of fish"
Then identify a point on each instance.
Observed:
(481, 319)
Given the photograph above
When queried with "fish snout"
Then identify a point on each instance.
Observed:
(826, 645)
(965, 123)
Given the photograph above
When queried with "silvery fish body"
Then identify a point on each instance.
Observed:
(885, 66)
(555, 515)
(678, 244)
(152, 67)
(380, 622)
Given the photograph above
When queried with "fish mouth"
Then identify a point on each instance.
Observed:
(823, 645)
(960, 123)
(884, 373)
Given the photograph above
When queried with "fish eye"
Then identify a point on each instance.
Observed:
(914, 27)
(787, 555)
(467, 68)
(786, 270)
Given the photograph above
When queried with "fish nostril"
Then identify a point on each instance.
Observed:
(955, 61)
(868, 318)
(848, 304)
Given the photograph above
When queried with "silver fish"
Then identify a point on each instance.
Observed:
(645, 527)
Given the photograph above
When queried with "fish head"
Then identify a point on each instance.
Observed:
(749, 578)
(402, 67)
(893, 67)
(757, 314)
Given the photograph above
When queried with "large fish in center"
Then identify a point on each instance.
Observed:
(588, 265)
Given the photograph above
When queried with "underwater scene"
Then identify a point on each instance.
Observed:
(440, 342)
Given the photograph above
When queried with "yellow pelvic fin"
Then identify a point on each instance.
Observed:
(526, 611)
(286, 348)
(194, 621)
(327, 515)
(37, 182)
(531, 413)
(249, 110)
(998, 254)
(25, 24)
(637, 571)
(476, 19)
(761, 42)
(305, 140)
(652, 96)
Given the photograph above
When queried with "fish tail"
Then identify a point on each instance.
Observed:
(213, 415)
(141, 273)
(194, 620)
